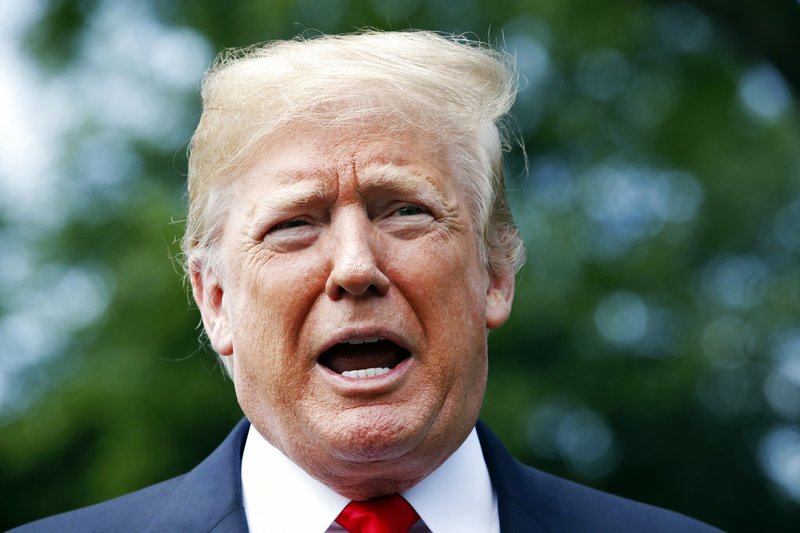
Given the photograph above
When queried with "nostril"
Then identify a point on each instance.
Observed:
(338, 291)
(359, 279)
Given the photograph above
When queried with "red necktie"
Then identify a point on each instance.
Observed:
(390, 514)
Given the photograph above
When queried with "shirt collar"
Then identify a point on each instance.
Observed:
(280, 496)
(458, 496)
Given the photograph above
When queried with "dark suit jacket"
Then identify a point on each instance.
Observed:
(209, 498)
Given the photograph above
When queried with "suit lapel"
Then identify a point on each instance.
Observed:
(517, 505)
(209, 498)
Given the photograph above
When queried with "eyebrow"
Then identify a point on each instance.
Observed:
(400, 179)
(289, 197)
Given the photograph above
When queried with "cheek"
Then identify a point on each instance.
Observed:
(273, 305)
(443, 279)
(445, 284)
(277, 295)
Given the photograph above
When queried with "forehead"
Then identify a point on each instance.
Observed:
(362, 152)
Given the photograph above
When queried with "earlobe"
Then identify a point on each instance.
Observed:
(499, 297)
(208, 293)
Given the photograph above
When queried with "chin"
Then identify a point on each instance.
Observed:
(374, 434)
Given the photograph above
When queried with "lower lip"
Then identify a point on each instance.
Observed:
(371, 385)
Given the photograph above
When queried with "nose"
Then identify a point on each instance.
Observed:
(355, 268)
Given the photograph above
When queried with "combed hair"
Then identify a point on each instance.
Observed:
(454, 90)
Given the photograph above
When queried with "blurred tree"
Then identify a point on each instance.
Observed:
(654, 347)
(756, 31)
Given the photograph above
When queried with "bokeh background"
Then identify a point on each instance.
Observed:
(654, 350)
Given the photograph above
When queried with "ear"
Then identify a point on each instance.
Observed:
(208, 293)
(499, 297)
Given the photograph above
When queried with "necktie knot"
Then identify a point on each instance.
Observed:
(390, 514)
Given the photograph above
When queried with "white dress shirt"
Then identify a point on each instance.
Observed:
(279, 496)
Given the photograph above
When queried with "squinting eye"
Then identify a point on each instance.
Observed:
(294, 223)
(410, 210)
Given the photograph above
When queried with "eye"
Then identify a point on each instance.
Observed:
(288, 224)
(410, 210)
(291, 234)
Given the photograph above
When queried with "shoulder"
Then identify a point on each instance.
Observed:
(126, 513)
(208, 498)
(531, 500)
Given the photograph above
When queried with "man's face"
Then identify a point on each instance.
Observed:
(355, 305)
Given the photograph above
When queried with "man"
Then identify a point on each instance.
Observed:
(349, 247)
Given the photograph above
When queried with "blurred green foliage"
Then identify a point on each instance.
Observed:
(654, 349)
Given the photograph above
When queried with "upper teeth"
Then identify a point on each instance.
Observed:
(365, 340)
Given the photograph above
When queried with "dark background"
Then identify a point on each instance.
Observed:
(654, 348)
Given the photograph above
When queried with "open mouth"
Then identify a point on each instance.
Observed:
(364, 358)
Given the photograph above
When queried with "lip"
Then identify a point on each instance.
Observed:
(364, 332)
(375, 385)
(372, 385)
